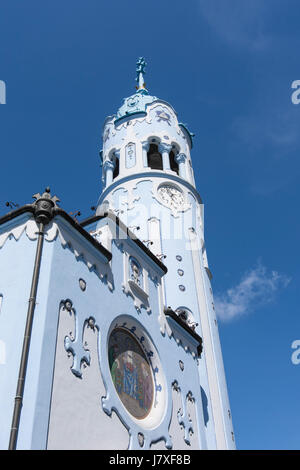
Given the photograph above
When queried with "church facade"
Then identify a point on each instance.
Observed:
(108, 325)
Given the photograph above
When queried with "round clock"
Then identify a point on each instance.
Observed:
(171, 196)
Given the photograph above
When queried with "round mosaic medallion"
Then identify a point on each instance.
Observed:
(131, 373)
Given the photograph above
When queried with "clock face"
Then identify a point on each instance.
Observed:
(171, 196)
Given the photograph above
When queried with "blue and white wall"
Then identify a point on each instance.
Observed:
(70, 401)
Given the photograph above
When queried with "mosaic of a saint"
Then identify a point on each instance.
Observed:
(131, 373)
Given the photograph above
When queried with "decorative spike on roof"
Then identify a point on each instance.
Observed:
(140, 72)
(136, 104)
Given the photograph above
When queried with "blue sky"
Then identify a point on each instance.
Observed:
(227, 67)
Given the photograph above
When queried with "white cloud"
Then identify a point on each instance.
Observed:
(238, 22)
(257, 287)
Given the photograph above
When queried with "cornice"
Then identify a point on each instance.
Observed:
(110, 215)
(30, 228)
(150, 174)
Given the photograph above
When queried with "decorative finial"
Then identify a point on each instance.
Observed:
(45, 205)
(140, 72)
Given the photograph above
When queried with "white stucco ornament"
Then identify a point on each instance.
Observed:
(171, 196)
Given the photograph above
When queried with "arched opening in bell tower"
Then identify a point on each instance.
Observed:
(173, 164)
(154, 157)
(116, 169)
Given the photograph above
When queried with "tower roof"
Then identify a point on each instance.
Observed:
(136, 103)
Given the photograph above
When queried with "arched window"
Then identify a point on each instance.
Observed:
(116, 169)
(173, 164)
(135, 271)
(154, 158)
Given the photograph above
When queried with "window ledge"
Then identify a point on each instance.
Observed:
(171, 314)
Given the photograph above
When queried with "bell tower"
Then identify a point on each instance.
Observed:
(148, 182)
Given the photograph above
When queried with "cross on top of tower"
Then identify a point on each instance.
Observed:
(136, 103)
(140, 72)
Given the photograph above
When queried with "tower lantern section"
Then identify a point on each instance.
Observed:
(145, 136)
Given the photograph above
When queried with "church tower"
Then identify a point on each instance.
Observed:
(108, 332)
(149, 185)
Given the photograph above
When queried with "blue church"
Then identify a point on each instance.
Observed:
(108, 332)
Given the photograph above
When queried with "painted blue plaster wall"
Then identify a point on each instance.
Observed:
(60, 272)
(106, 307)
(59, 278)
(16, 261)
